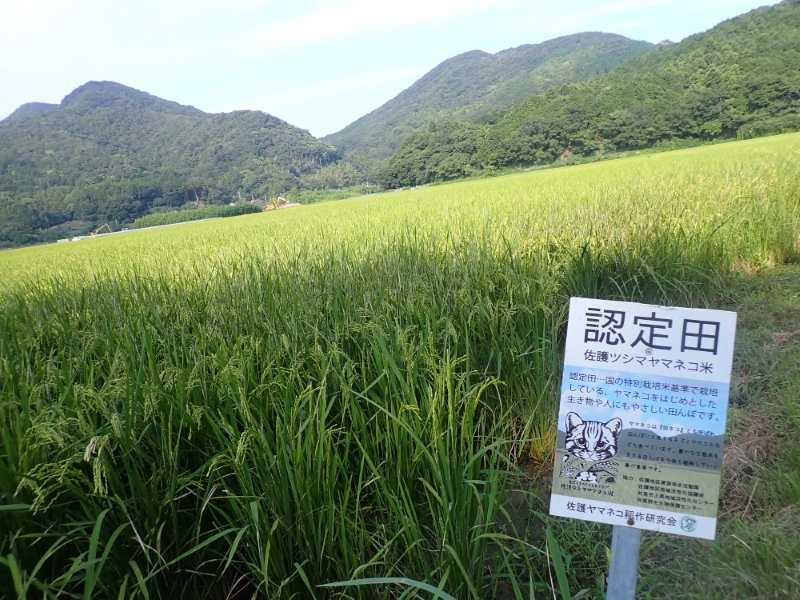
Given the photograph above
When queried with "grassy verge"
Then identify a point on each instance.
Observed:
(757, 551)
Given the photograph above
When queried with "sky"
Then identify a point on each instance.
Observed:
(316, 64)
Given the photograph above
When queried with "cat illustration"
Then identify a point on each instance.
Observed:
(591, 442)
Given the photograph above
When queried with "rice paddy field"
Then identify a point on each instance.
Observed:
(257, 406)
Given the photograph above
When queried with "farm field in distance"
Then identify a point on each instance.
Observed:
(259, 405)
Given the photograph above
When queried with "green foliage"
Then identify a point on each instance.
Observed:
(478, 84)
(444, 152)
(195, 214)
(263, 405)
(32, 109)
(770, 126)
(738, 79)
(313, 196)
(332, 177)
(110, 153)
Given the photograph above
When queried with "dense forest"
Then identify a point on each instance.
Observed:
(109, 153)
(739, 79)
(476, 83)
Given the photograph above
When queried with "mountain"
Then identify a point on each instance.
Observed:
(32, 109)
(739, 79)
(110, 153)
(476, 83)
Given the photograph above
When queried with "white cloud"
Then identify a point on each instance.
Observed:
(358, 16)
(621, 6)
(237, 7)
(636, 15)
(556, 21)
(317, 91)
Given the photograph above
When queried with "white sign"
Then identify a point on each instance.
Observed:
(644, 399)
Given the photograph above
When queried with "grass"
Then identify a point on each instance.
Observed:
(261, 405)
(757, 554)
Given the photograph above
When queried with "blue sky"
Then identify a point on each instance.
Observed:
(319, 65)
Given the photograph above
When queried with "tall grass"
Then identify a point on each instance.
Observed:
(269, 403)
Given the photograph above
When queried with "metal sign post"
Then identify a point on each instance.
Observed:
(624, 563)
(644, 400)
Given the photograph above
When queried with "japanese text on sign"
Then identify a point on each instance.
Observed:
(644, 401)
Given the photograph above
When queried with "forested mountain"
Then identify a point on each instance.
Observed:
(741, 78)
(32, 109)
(110, 153)
(476, 83)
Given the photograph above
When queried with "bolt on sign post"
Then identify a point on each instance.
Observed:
(644, 399)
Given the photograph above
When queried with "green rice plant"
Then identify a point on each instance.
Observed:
(263, 405)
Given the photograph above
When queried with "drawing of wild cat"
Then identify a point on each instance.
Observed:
(591, 442)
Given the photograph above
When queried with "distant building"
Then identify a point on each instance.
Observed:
(259, 202)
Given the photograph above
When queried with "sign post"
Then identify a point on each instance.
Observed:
(644, 400)
(624, 563)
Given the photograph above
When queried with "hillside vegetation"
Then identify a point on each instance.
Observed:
(195, 214)
(257, 406)
(741, 78)
(109, 153)
(112, 154)
(478, 83)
